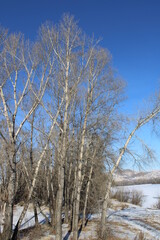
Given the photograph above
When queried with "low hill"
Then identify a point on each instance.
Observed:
(129, 177)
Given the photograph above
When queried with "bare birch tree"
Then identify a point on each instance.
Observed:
(20, 67)
(67, 79)
(140, 123)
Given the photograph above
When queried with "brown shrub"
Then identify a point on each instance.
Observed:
(157, 204)
(136, 197)
(140, 236)
(121, 195)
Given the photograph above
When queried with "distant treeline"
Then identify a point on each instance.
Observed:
(137, 182)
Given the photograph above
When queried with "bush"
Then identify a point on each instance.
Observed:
(121, 195)
(140, 236)
(107, 234)
(136, 197)
(157, 204)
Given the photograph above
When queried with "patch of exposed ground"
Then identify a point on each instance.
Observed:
(44, 232)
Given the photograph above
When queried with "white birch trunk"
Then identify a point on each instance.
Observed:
(59, 199)
(86, 196)
(79, 182)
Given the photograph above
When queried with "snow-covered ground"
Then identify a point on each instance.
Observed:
(150, 192)
(127, 220)
(28, 221)
(124, 220)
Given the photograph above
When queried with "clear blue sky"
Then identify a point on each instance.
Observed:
(130, 29)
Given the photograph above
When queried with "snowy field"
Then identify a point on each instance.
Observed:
(28, 220)
(150, 192)
(124, 220)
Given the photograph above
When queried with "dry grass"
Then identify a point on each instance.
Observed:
(47, 238)
(134, 197)
(115, 230)
(109, 233)
(121, 195)
(140, 236)
(157, 204)
(36, 233)
(45, 232)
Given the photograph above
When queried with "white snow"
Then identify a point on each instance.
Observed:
(125, 220)
(133, 219)
(28, 221)
(150, 192)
